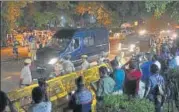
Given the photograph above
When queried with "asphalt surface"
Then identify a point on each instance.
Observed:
(10, 68)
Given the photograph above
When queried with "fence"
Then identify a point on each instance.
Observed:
(58, 88)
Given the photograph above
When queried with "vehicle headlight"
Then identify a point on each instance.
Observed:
(174, 35)
(162, 31)
(142, 32)
(53, 61)
(132, 47)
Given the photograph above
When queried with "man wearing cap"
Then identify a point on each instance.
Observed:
(26, 77)
(85, 64)
(68, 66)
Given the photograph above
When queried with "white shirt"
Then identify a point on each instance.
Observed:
(85, 65)
(41, 107)
(177, 60)
(68, 66)
(26, 75)
(158, 64)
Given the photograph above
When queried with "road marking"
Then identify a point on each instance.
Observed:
(7, 78)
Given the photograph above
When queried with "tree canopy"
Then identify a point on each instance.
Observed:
(57, 13)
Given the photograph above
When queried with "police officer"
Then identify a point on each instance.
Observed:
(26, 77)
(85, 64)
(68, 66)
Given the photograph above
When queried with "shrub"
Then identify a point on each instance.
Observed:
(121, 103)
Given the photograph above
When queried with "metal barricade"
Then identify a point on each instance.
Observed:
(58, 88)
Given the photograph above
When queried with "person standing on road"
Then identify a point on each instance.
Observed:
(33, 49)
(39, 104)
(26, 78)
(85, 64)
(4, 102)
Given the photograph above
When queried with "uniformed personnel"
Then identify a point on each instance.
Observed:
(68, 66)
(85, 64)
(26, 77)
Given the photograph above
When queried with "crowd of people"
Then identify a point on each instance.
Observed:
(31, 40)
(141, 77)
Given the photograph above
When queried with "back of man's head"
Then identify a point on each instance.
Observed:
(37, 94)
(3, 101)
(154, 69)
(103, 70)
(133, 65)
(79, 82)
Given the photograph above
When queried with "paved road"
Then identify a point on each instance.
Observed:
(10, 69)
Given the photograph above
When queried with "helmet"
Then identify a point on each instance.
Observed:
(84, 56)
(28, 61)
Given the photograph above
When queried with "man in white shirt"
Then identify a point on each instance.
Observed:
(26, 77)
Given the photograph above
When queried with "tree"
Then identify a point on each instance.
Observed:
(96, 9)
(11, 11)
(157, 7)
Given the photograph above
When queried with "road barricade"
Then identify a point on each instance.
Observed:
(58, 87)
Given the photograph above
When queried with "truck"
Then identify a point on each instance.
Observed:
(74, 42)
